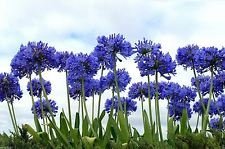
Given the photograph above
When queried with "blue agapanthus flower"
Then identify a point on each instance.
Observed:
(81, 66)
(145, 47)
(32, 58)
(217, 124)
(47, 106)
(186, 56)
(156, 61)
(207, 58)
(37, 88)
(198, 106)
(138, 90)
(109, 48)
(204, 85)
(126, 102)
(123, 79)
(220, 105)
(61, 58)
(176, 109)
(9, 87)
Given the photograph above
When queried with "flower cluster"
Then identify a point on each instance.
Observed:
(9, 87)
(126, 102)
(154, 61)
(34, 57)
(37, 88)
(108, 47)
(61, 58)
(217, 124)
(138, 90)
(47, 106)
(198, 106)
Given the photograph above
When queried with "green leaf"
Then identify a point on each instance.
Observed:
(171, 129)
(136, 135)
(125, 136)
(33, 133)
(77, 120)
(183, 122)
(37, 124)
(85, 127)
(148, 137)
(63, 125)
(102, 115)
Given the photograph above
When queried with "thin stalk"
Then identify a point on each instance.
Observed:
(32, 96)
(10, 112)
(149, 102)
(42, 113)
(117, 88)
(157, 107)
(68, 99)
(14, 117)
(45, 95)
(142, 110)
(82, 108)
(93, 107)
(85, 108)
(205, 121)
(100, 95)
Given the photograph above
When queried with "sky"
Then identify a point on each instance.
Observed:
(74, 25)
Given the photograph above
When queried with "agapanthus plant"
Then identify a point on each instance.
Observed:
(33, 57)
(217, 124)
(46, 110)
(37, 88)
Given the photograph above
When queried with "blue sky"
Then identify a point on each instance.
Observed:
(74, 26)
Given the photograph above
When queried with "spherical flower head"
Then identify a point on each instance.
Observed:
(109, 48)
(61, 58)
(123, 79)
(138, 90)
(129, 103)
(37, 88)
(176, 109)
(217, 124)
(220, 105)
(204, 85)
(145, 47)
(185, 56)
(198, 106)
(9, 87)
(207, 58)
(157, 62)
(34, 57)
(47, 106)
(81, 66)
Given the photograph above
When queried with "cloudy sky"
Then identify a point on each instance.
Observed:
(74, 25)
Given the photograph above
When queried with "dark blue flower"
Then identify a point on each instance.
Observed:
(123, 79)
(32, 58)
(198, 106)
(37, 89)
(61, 58)
(9, 87)
(176, 109)
(138, 90)
(207, 58)
(108, 49)
(186, 56)
(47, 106)
(126, 102)
(81, 66)
(220, 105)
(217, 124)
(156, 61)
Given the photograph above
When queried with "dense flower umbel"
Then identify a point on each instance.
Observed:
(9, 87)
(208, 57)
(197, 107)
(157, 61)
(33, 57)
(37, 89)
(176, 109)
(217, 124)
(186, 56)
(108, 47)
(81, 66)
(145, 47)
(138, 90)
(220, 105)
(123, 79)
(46, 108)
(204, 84)
(61, 58)
(130, 105)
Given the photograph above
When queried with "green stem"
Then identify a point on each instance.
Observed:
(68, 99)
(85, 108)
(14, 117)
(100, 95)
(93, 107)
(149, 102)
(157, 106)
(142, 111)
(205, 121)
(10, 112)
(42, 113)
